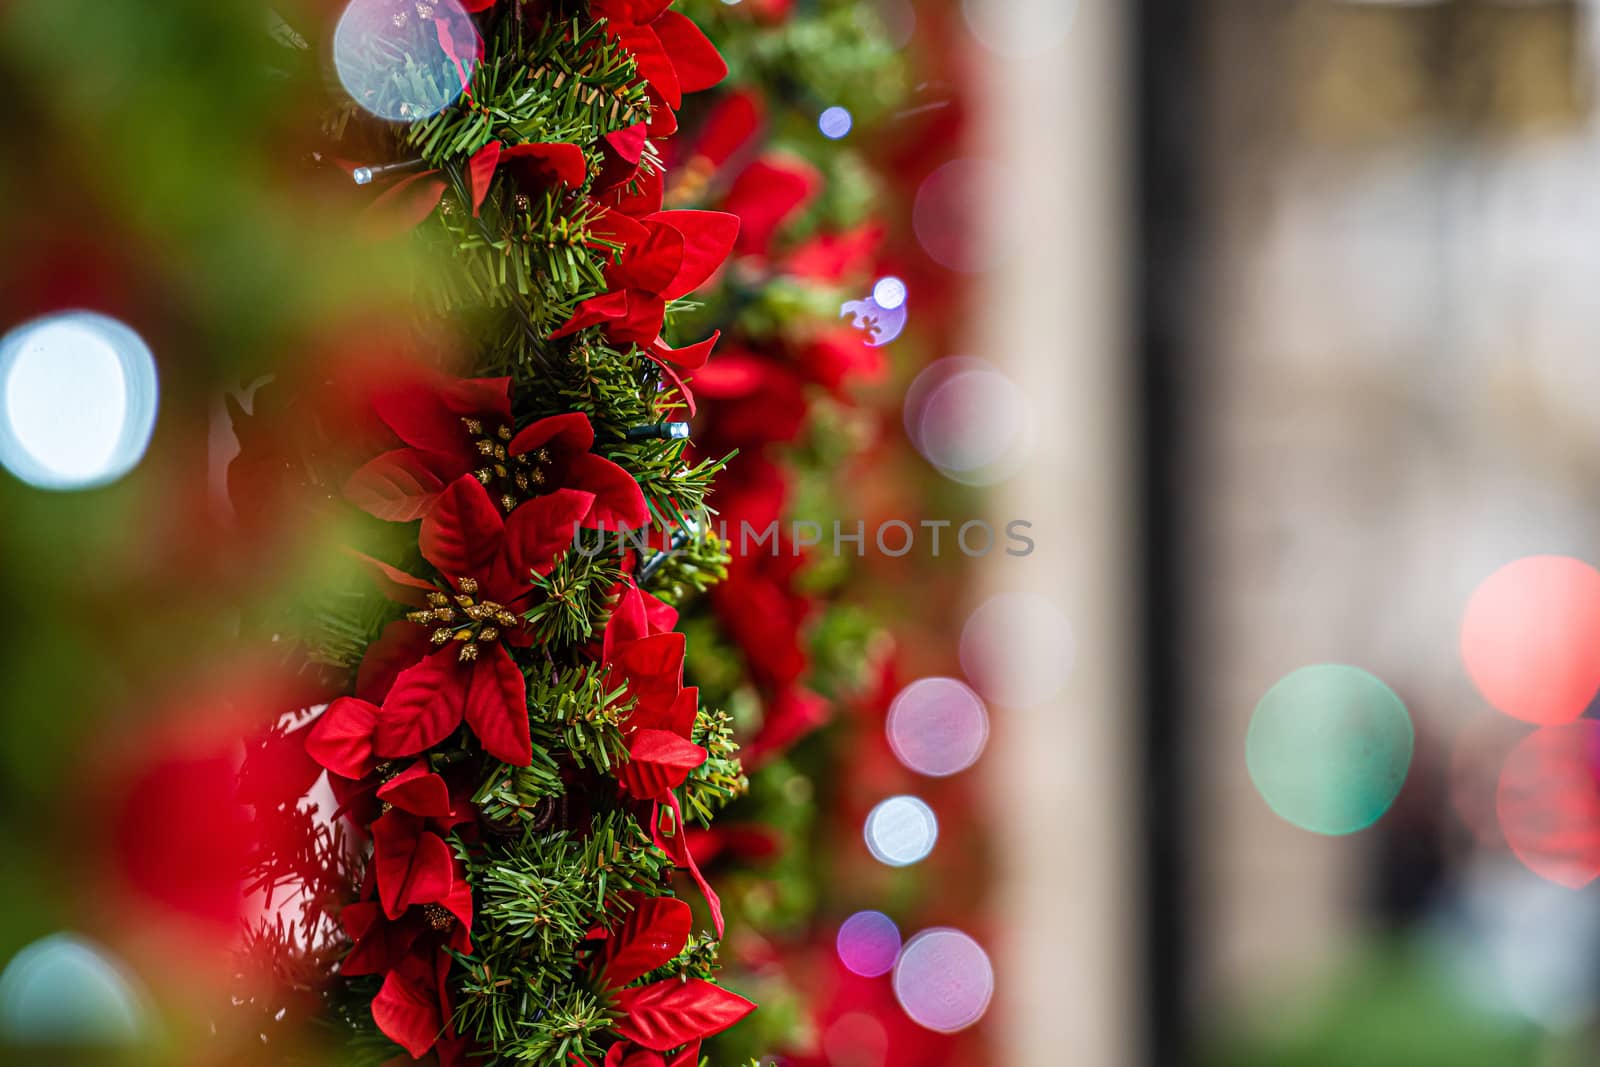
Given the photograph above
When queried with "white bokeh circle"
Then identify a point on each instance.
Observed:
(1018, 650)
(944, 980)
(405, 60)
(78, 399)
(901, 831)
(937, 726)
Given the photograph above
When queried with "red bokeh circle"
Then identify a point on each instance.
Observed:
(1549, 803)
(1530, 638)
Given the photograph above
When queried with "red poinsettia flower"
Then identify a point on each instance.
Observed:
(621, 152)
(660, 754)
(671, 836)
(413, 864)
(414, 1007)
(450, 426)
(759, 605)
(536, 167)
(765, 401)
(766, 195)
(405, 204)
(635, 615)
(840, 356)
(674, 57)
(786, 717)
(729, 128)
(454, 427)
(490, 562)
(830, 258)
(627, 1054)
(558, 449)
(381, 943)
(651, 670)
(666, 256)
(662, 1015)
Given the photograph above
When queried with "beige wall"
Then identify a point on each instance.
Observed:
(1062, 777)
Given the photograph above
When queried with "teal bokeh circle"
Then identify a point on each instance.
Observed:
(1329, 747)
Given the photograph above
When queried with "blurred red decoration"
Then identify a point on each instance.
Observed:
(1549, 803)
(179, 835)
(1529, 637)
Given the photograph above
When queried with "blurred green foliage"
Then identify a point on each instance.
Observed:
(1391, 1007)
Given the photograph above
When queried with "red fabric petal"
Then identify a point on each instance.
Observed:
(681, 718)
(766, 195)
(550, 164)
(695, 59)
(462, 535)
(652, 668)
(642, 324)
(404, 205)
(627, 143)
(653, 263)
(676, 846)
(459, 902)
(619, 503)
(678, 384)
(408, 1014)
(733, 122)
(560, 433)
(692, 357)
(497, 708)
(414, 407)
(414, 865)
(658, 761)
(424, 707)
(627, 1054)
(614, 227)
(639, 197)
(793, 714)
(394, 583)
(708, 237)
(401, 485)
(667, 1014)
(628, 12)
(379, 943)
(402, 644)
(688, 1056)
(542, 529)
(651, 936)
(417, 790)
(628, 621)
(615, 174)
(484, 398)
(662, 616)
(655, 65)
(663, 121)
(341, 738)
(480, 171)
(605, 308)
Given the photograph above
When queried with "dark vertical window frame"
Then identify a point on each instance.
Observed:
(1166, 114)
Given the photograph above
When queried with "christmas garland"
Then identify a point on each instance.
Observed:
(516, 763)
(808, 647)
